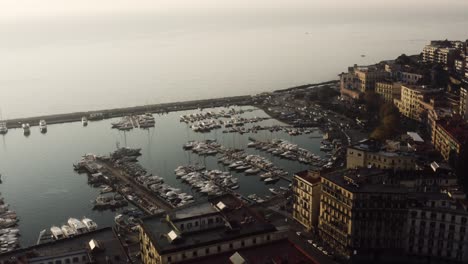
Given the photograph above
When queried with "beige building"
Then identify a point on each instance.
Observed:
(410, 77)
(442, 52)
(359, 215)
(464, 102)
(371, 154)
(388, 90)
(413, 97)
(306, 193)
(450, 136)
(360, 79)
(368, 76)
(223, 225)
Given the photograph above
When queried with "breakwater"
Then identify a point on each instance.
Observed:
(118, 112)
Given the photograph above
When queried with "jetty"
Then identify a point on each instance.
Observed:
(128, 111)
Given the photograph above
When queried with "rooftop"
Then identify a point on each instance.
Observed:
(456, 127)
(239, 221)
(283, 251)
(364, 180)
(112, 249)
(309, 176)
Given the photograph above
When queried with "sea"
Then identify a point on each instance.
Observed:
(62, 64)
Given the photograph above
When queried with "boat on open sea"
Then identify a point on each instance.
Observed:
(3, 128)
(26, 128)
(84, 121)
(42, 126)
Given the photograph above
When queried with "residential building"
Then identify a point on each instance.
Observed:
(402, 216)
(464, 102)
(388, 90)
(450, 136)
(99, 246)
(306, 195)
(368, 76)
(412, 96)
(369, 153)
(360, 79)
(407, 77)
(442, 52)
(437, 228)
(359, 215)
(223, 225)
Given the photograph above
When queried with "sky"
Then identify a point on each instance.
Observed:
(21, 9)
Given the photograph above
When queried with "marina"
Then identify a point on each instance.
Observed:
(57, 187)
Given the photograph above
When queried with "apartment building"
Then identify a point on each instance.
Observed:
(360, 79)
(388, 90)
(306, 194)
(442, 52)
(223, 225)
(450, 136)
(412, 96)
(464, 102)
(370, 153)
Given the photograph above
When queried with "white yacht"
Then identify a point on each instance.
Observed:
(26, 128)
(68, 231)
(42, 126)
(3, 128)
(77, 226)
(84, 121)
(57, 233)
(90, 224)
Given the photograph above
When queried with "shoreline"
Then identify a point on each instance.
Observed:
(241, 100)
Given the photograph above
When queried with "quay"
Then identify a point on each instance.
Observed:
(142, 192)
(119, 112)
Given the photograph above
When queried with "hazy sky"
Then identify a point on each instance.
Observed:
(17, 9)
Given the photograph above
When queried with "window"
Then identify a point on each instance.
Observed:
(231, 246)
(189, 225)
(243, 243)
(254, 240)
(196, 223)
(58, 261)
(75, 259)
(184, 256)
(210, 221)
(83, 258)
(195, 253)
(67, 261)
(219, 248)
(182, 226)
(207, 250)
(169, 258)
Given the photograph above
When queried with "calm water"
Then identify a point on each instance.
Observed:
(40, 185)
(85, 62)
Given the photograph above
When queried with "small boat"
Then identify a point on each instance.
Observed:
(274, 191)
(3, 128)
(235, 187)
(89, 223)
(84, 121)
(43, 126)
(57, 232)
(77, 226)
(68, 231)
(271, 180)
(106, 189)
(26, 129)
(252, 171)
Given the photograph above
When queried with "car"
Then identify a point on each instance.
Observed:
(298, 233)
(320, 248)
(325, 252)
(310, 241)
(314, 244)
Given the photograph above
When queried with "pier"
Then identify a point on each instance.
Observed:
(119, 112)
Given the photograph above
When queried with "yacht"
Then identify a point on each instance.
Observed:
(3, 128)
(57, 233)
(42, 126)
(68, 231)
(26, 128)
(90, 224)
(77, 226)
(84, 121)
